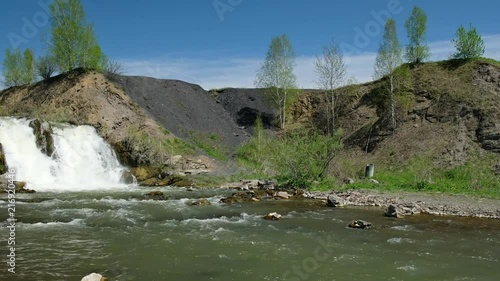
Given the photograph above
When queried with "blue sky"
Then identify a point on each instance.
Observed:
(221, 43)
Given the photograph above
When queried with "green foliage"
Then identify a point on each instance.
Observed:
(28, 67)
(474, 177)
(389, 53)
(155, 148)
(210, 144)
(276, 75)
(469, 44)
(417, 50)
(73, 43)
(45, 67)
(18, 69)
(387, 61)
(296, 159)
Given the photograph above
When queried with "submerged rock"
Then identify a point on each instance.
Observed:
(94, 277)
(127, 178)
(201, 202)
(155, 195)
(272, 216)
(360, 224)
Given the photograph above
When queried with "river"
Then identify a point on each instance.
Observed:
(67, 235)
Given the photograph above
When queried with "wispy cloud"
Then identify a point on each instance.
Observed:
(240, 72)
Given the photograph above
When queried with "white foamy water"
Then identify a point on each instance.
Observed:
(82, 159)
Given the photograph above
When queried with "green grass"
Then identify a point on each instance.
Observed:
(471, 178)
(210, 144)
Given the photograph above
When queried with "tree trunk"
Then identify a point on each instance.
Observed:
(393, 110)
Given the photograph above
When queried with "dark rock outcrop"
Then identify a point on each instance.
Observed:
(43, 136)
(3, 161)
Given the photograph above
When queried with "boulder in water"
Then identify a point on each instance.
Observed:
(334, 200)
(272, 216)
(201, 202)
(143, 173)
(360, 224)
(127, 177)
(155, 195)
(94, 277)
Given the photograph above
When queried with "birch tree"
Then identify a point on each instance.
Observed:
(387, 61)
(332, 72)
(276, 74)
(416, 26)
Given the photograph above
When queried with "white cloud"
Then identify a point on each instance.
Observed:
(240, 72)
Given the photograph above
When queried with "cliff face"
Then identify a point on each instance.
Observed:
(450, 115)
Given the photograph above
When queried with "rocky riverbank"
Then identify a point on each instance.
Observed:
(399, 204)
(392, 204)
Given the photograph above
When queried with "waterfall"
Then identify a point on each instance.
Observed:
(82, 160)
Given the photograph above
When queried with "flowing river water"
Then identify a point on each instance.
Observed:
(67, 235)
(83, 219)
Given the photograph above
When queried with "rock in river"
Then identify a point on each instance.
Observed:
(272, 216)
(201, 202)
(94, 277)
(334, 200)
(360, 224)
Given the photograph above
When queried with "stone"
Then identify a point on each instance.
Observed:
(348, 181)
(94, 277)
(155, 195)
(334, 200)
(374, 181)
(182, 183)
(201, 202)
(360, 224)
(127, 178)
(393, 211)
(3, 162)
(145, 172)
(282, 195)
(43, 136)
(272, 216)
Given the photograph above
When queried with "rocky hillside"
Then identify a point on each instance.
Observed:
(142, 118)
(449, 116)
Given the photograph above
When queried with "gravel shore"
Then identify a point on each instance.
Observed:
(412, 202)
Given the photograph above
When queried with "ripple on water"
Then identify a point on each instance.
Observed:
(75, 222)
(406, 227)
(399, 240)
